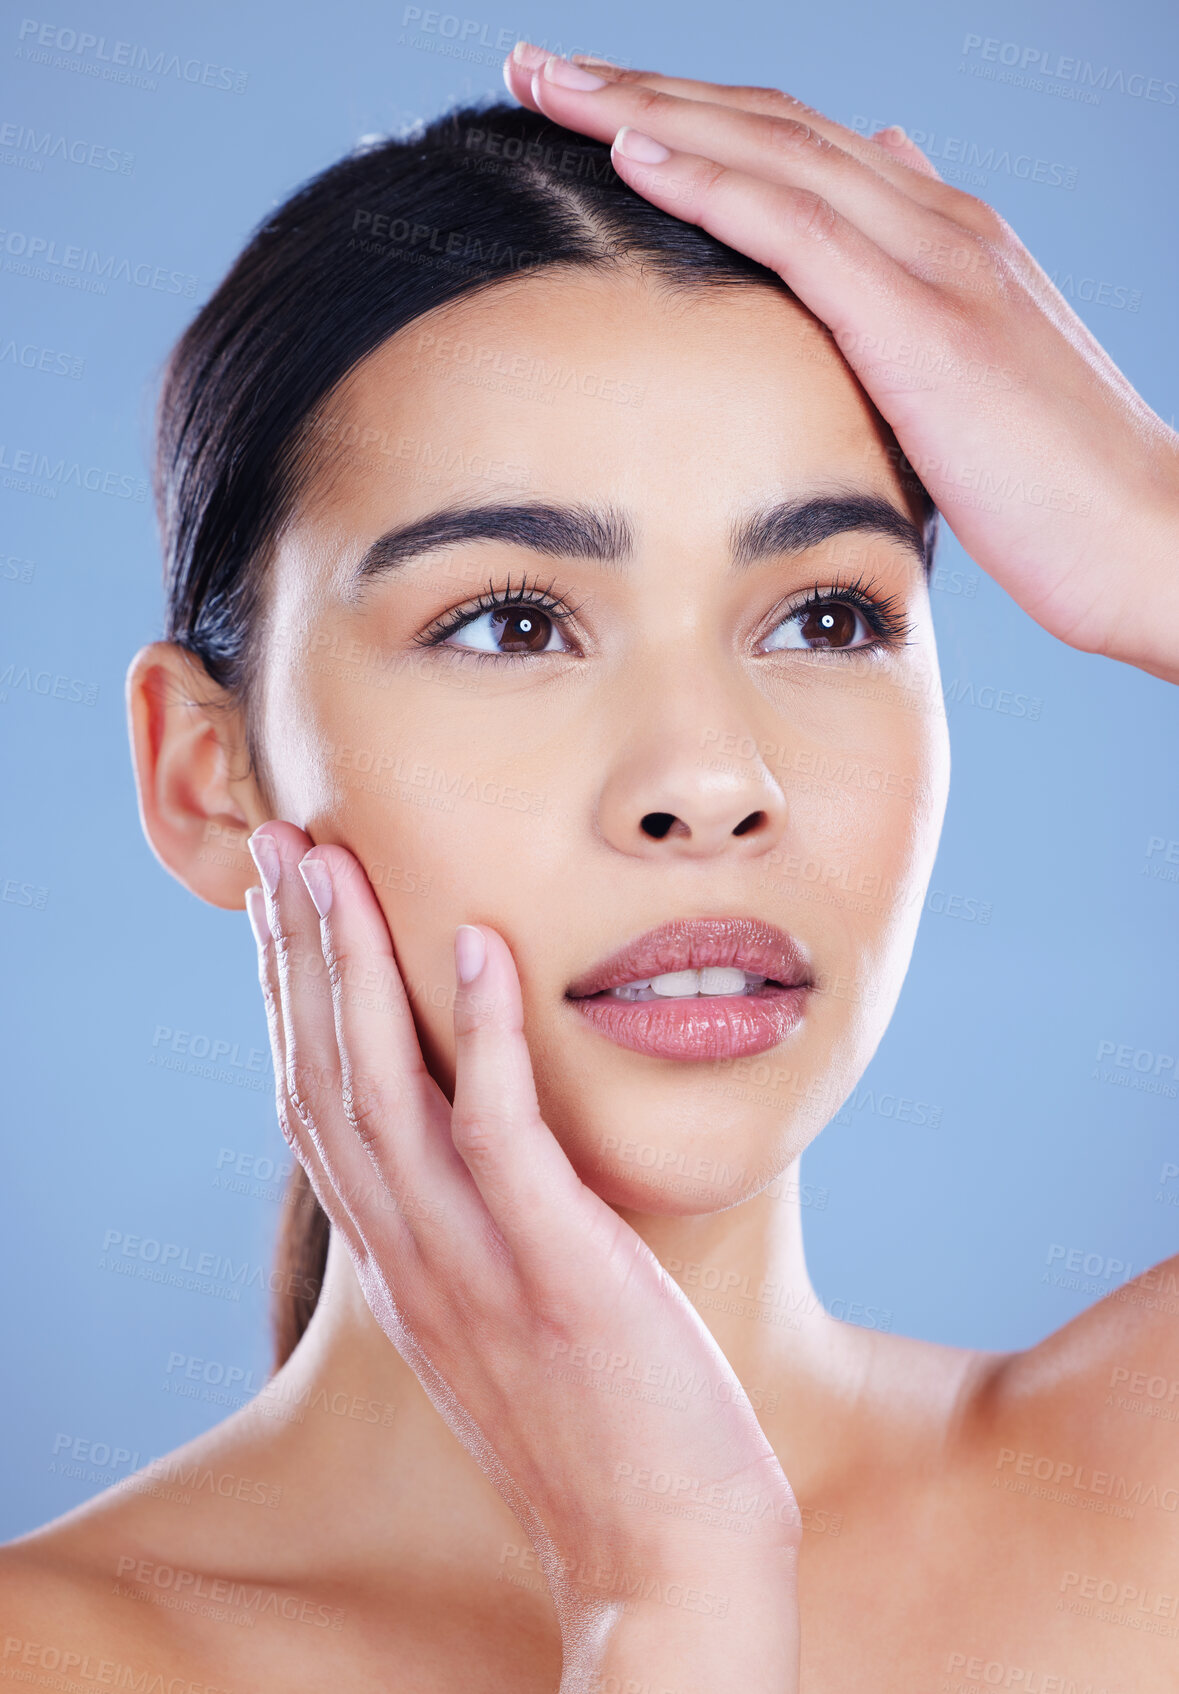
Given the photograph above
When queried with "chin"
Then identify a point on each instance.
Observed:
(669, 1138)
(699, 1140)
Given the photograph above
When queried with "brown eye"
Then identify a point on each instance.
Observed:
(824, 623)
(515, 628)
(833, 625)
(521, 629)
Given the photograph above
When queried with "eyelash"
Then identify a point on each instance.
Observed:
(881, 612)
(494, 599)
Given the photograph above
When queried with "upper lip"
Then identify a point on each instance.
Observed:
(748, 944)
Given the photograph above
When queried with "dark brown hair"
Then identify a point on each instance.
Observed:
(479, 196)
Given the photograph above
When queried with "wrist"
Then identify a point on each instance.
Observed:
(732, 1630)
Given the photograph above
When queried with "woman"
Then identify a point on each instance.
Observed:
(554, 538)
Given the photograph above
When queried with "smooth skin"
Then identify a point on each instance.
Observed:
(505, 1186)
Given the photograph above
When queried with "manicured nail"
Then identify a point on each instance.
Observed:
(256, 911)
(566, 75)
(470, 952)
(319, 883)
(265, 856)
(593, 59)
(643, 149)
(528, 57)
(893, 134)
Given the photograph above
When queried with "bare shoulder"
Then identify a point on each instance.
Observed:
(100, 1592)
(1115, 1364)
(1090, 1415)
(183, 1596)
(60, 1612)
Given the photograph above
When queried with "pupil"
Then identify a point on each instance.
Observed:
(522, 631)
(833, 626)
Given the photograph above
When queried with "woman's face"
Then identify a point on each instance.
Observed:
(499, 770)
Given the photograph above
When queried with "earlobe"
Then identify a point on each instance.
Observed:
(197, 801)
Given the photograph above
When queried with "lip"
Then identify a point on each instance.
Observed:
(705, 1026)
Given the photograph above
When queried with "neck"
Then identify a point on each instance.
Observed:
(371, 1446)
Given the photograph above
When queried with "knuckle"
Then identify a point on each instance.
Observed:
(650, 100)
(271, 1005)
(981, 218)
(477, 1132)
(341, 968)
(472, 1132)
(474, 1011)
(1001, 238)
(709, 177)
(623, 73)
(303, 1084)
(292, 957)
(283, 943)
(353, 980)
(813, 216)
(369, 1102)
(776, 103)
(791, 135)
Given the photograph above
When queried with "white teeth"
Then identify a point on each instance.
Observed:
(681, 985)
(675, 984)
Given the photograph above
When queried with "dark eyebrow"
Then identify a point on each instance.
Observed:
(572, 532)
(792, 526)
(797, 525)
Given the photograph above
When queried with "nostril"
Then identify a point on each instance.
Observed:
(657, 824)
(751, 822)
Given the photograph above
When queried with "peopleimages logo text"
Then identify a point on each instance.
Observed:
(1108, 78)
(37, 250)
(128, 55)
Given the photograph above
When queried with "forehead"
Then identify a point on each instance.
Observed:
(686, 405)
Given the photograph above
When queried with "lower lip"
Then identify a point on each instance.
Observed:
(705, 1026)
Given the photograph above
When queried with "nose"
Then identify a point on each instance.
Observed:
(672, 796)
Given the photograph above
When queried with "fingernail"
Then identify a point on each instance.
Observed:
(265, 856)
(470, 952)
(256, 912)
(894, 133)
(566, 75)
(643, 149)
(319, 883)
(593, 59)
(529, 57)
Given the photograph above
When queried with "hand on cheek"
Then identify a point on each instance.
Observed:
(482, 1255)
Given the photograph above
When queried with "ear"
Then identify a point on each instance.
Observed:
(198, 800)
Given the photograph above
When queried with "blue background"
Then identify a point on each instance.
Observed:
(947, 1215)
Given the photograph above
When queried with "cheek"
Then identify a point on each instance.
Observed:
(865, 789)
(451, 822)
(441, 848)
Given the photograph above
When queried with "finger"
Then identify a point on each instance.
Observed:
(527, 1182)
(897, 160)
(900, 146)
(773, 148)
(847, 280)
(517, 72)
(293, 1130)
(313, 1074)
(770, 102)
(398, 1116)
